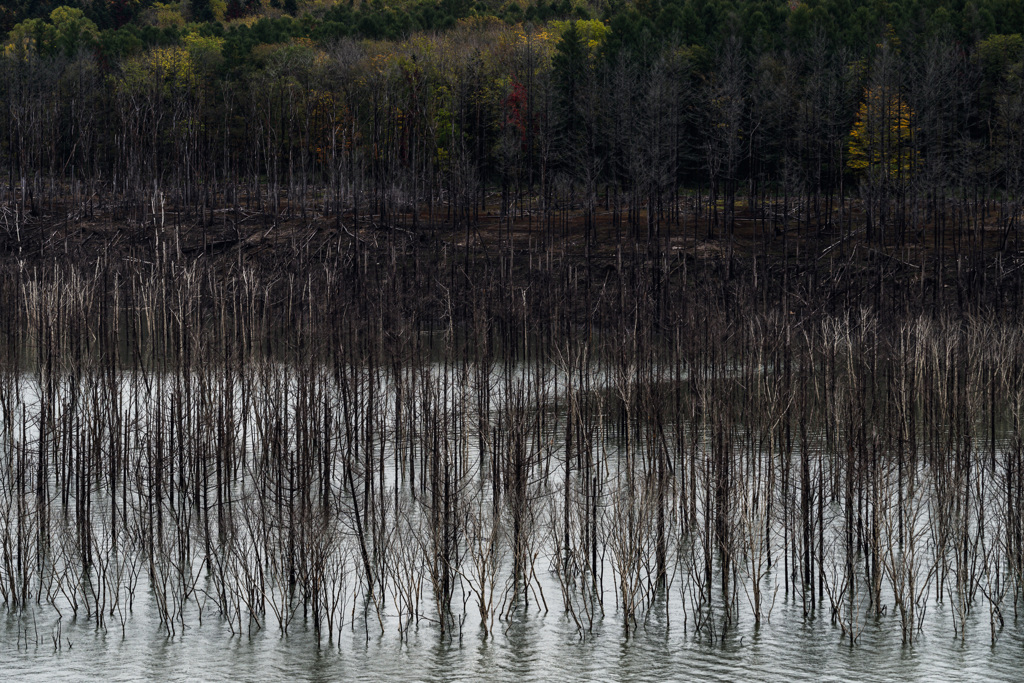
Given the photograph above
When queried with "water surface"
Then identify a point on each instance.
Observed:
(528, 647)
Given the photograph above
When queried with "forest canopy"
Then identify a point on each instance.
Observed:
(762, 24)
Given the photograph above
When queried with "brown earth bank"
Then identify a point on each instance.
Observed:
(803, 257)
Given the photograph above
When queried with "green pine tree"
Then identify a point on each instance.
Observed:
(202, 10)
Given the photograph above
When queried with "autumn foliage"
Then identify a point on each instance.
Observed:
(882, 139)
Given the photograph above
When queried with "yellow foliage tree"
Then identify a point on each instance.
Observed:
(173, 67)
(882, 139)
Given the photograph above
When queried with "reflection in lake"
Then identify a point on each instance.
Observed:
(530, 647)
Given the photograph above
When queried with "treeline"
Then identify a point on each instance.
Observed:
(281, 117)
(854, 26)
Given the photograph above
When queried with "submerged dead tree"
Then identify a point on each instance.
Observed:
(380, 434)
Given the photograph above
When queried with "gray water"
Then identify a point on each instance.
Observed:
(531, 643)
(526, 647)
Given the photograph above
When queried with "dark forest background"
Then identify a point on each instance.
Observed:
(822, 138)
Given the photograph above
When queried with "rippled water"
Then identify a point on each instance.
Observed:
(527, 647)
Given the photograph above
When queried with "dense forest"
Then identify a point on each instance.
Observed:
(899, 124)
